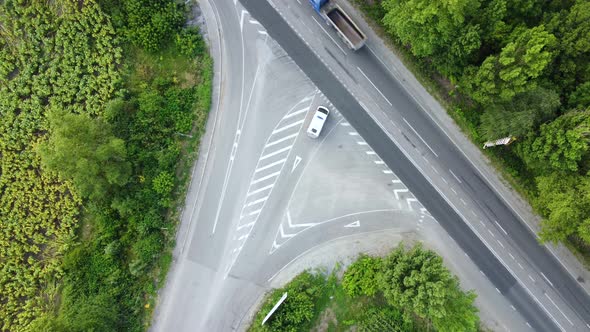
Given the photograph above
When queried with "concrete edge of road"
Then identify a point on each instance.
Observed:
(212, 36)
(473, 154)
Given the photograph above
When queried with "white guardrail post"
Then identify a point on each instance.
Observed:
(272, 311)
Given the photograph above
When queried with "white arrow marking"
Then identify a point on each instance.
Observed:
(354, 224)
(283, 234)
(291, 225)
(295, 163)
(397, 191)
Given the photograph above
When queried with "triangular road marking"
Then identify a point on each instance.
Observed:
(295, 163)
(354, 224)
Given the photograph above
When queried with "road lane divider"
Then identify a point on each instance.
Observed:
(373, 84)
(420, 137)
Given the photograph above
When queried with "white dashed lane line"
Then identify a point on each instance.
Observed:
(420, 137)
(501, 227)
(326, 32)
(373, 84)
(546, 279)
(453, 174)
(555, 305)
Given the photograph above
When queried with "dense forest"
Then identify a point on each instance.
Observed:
(518, 68)
(407, 290)
(102, 105)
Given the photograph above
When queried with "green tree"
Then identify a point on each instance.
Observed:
(189, 42)
(436, 29)
(572, 28)
(299, 307)
(520, 116)
(361, 277)
(563, 200)
(562, 145)
(492, 22)
(47, 322)
(417, 281)
(583, 187)
(150, 24)
(85, 151)
(514, 70)
(580, 98)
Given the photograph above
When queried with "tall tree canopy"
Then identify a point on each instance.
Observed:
(564, 199)
(572, 27)
(436, 29)
(417, 281)
(521, 115)
(513, 71)
(85, 151)
(562, 145)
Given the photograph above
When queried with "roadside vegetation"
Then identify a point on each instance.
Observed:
(102, 106)
(511, 68)
(408, 290)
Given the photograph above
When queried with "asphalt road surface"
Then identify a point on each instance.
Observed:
(264, 195)
(389, 89)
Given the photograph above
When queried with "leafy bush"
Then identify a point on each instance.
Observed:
(362, 276)
(189, 42)
(297, 310)
(384, 319)
(409, 290)
(151, 23)
(417, 282)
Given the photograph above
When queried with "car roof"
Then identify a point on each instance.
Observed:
(322, 109)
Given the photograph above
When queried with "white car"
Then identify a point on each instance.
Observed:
(317, 122)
